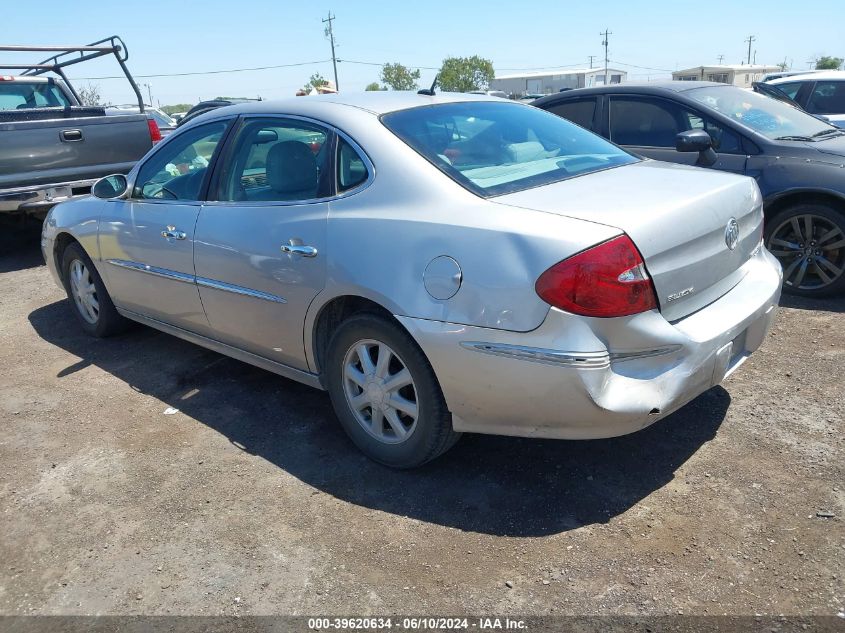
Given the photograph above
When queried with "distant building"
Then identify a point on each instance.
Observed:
(742, 75)
(549, 81)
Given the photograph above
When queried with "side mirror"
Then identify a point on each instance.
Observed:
(109, 187)
(697, 141)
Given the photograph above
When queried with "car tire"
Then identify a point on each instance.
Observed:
(820, 256)
(89, 299)
(363, 391)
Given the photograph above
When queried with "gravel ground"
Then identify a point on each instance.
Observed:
(250, 500)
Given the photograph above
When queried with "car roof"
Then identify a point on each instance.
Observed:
(822, 75)
(650, 87)
(376, 101)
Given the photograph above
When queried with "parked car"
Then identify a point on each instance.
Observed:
(439, 264)
(821, 93)
(796, 159)
(166, 124)
(787, 73)
(527, 98)
(52, 148)
(204, 106)
(489, 93)
(178, 116)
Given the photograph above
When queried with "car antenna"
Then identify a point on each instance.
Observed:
(429, 91)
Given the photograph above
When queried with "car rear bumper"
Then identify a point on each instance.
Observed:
(40, 198)
(579, 378)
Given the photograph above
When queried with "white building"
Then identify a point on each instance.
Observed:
(549, 81)
(742, 75)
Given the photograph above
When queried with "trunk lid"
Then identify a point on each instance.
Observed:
(676, 215)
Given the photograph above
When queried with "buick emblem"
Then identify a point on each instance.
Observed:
(732, 233)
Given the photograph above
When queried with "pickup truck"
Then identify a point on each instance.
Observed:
(53, 148)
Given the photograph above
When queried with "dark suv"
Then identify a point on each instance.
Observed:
(797, 160)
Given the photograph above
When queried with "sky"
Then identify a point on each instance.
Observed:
(189, 36)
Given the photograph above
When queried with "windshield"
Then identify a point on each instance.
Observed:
(765, 115)
(496, 148)
(161, 118)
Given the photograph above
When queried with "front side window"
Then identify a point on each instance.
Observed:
(277, 160)
(178, 169)
(789, 89)
(580, 111)
(828, 98)
(764, 115)
(656, 123)
(497, 148)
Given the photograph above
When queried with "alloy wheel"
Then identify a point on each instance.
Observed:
(84, 291)
(380, 391)
(811, 250)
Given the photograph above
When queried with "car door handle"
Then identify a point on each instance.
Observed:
(70, 136)
(299, 249)
(173, 233)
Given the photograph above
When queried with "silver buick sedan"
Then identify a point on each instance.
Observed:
(437, 263)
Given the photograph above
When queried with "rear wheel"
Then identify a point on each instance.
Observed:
(809, 242)
(385, 393)
(88, 296)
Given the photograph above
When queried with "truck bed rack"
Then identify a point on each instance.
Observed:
(69, 55)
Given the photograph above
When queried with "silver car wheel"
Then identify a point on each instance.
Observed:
(84, 291)
(380, 391)
(811, 250)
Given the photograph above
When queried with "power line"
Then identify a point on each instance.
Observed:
(212, 72)
(665, 70)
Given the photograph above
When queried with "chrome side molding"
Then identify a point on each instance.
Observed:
(200, 281)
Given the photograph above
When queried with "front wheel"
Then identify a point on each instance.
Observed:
(88, 296)
(809, 242)
(385, 393)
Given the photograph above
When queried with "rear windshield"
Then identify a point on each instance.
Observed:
(19, 95)
(497, 148)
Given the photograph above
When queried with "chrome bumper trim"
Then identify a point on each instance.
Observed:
(587, 360)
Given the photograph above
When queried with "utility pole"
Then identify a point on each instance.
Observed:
(721, 57)
(591, 60)
(330, 34)
(755, 55)
(811, 63)
(605, 43)
(750, 39)
(149, 93)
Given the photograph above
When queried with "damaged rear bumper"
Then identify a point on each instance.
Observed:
(579, 378)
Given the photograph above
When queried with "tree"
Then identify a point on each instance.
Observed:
(179, 107)
(315, 81)
(399, 77)
(373, 86)
(463, 74)
(89, 95)
(829, 63)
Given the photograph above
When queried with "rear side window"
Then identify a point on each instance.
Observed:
(351, 170)
(277, 160)
(494, 148)
(19, 95)
(581, 111)
(828, 97)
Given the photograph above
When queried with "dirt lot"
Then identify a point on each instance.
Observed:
(250, 500)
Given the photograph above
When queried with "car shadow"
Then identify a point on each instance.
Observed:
(485, 484)
(20, 245)
(826, 304)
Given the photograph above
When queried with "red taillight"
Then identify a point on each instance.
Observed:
(608, 280)
(155, 133)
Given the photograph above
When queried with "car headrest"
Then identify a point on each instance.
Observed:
(291, 167)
